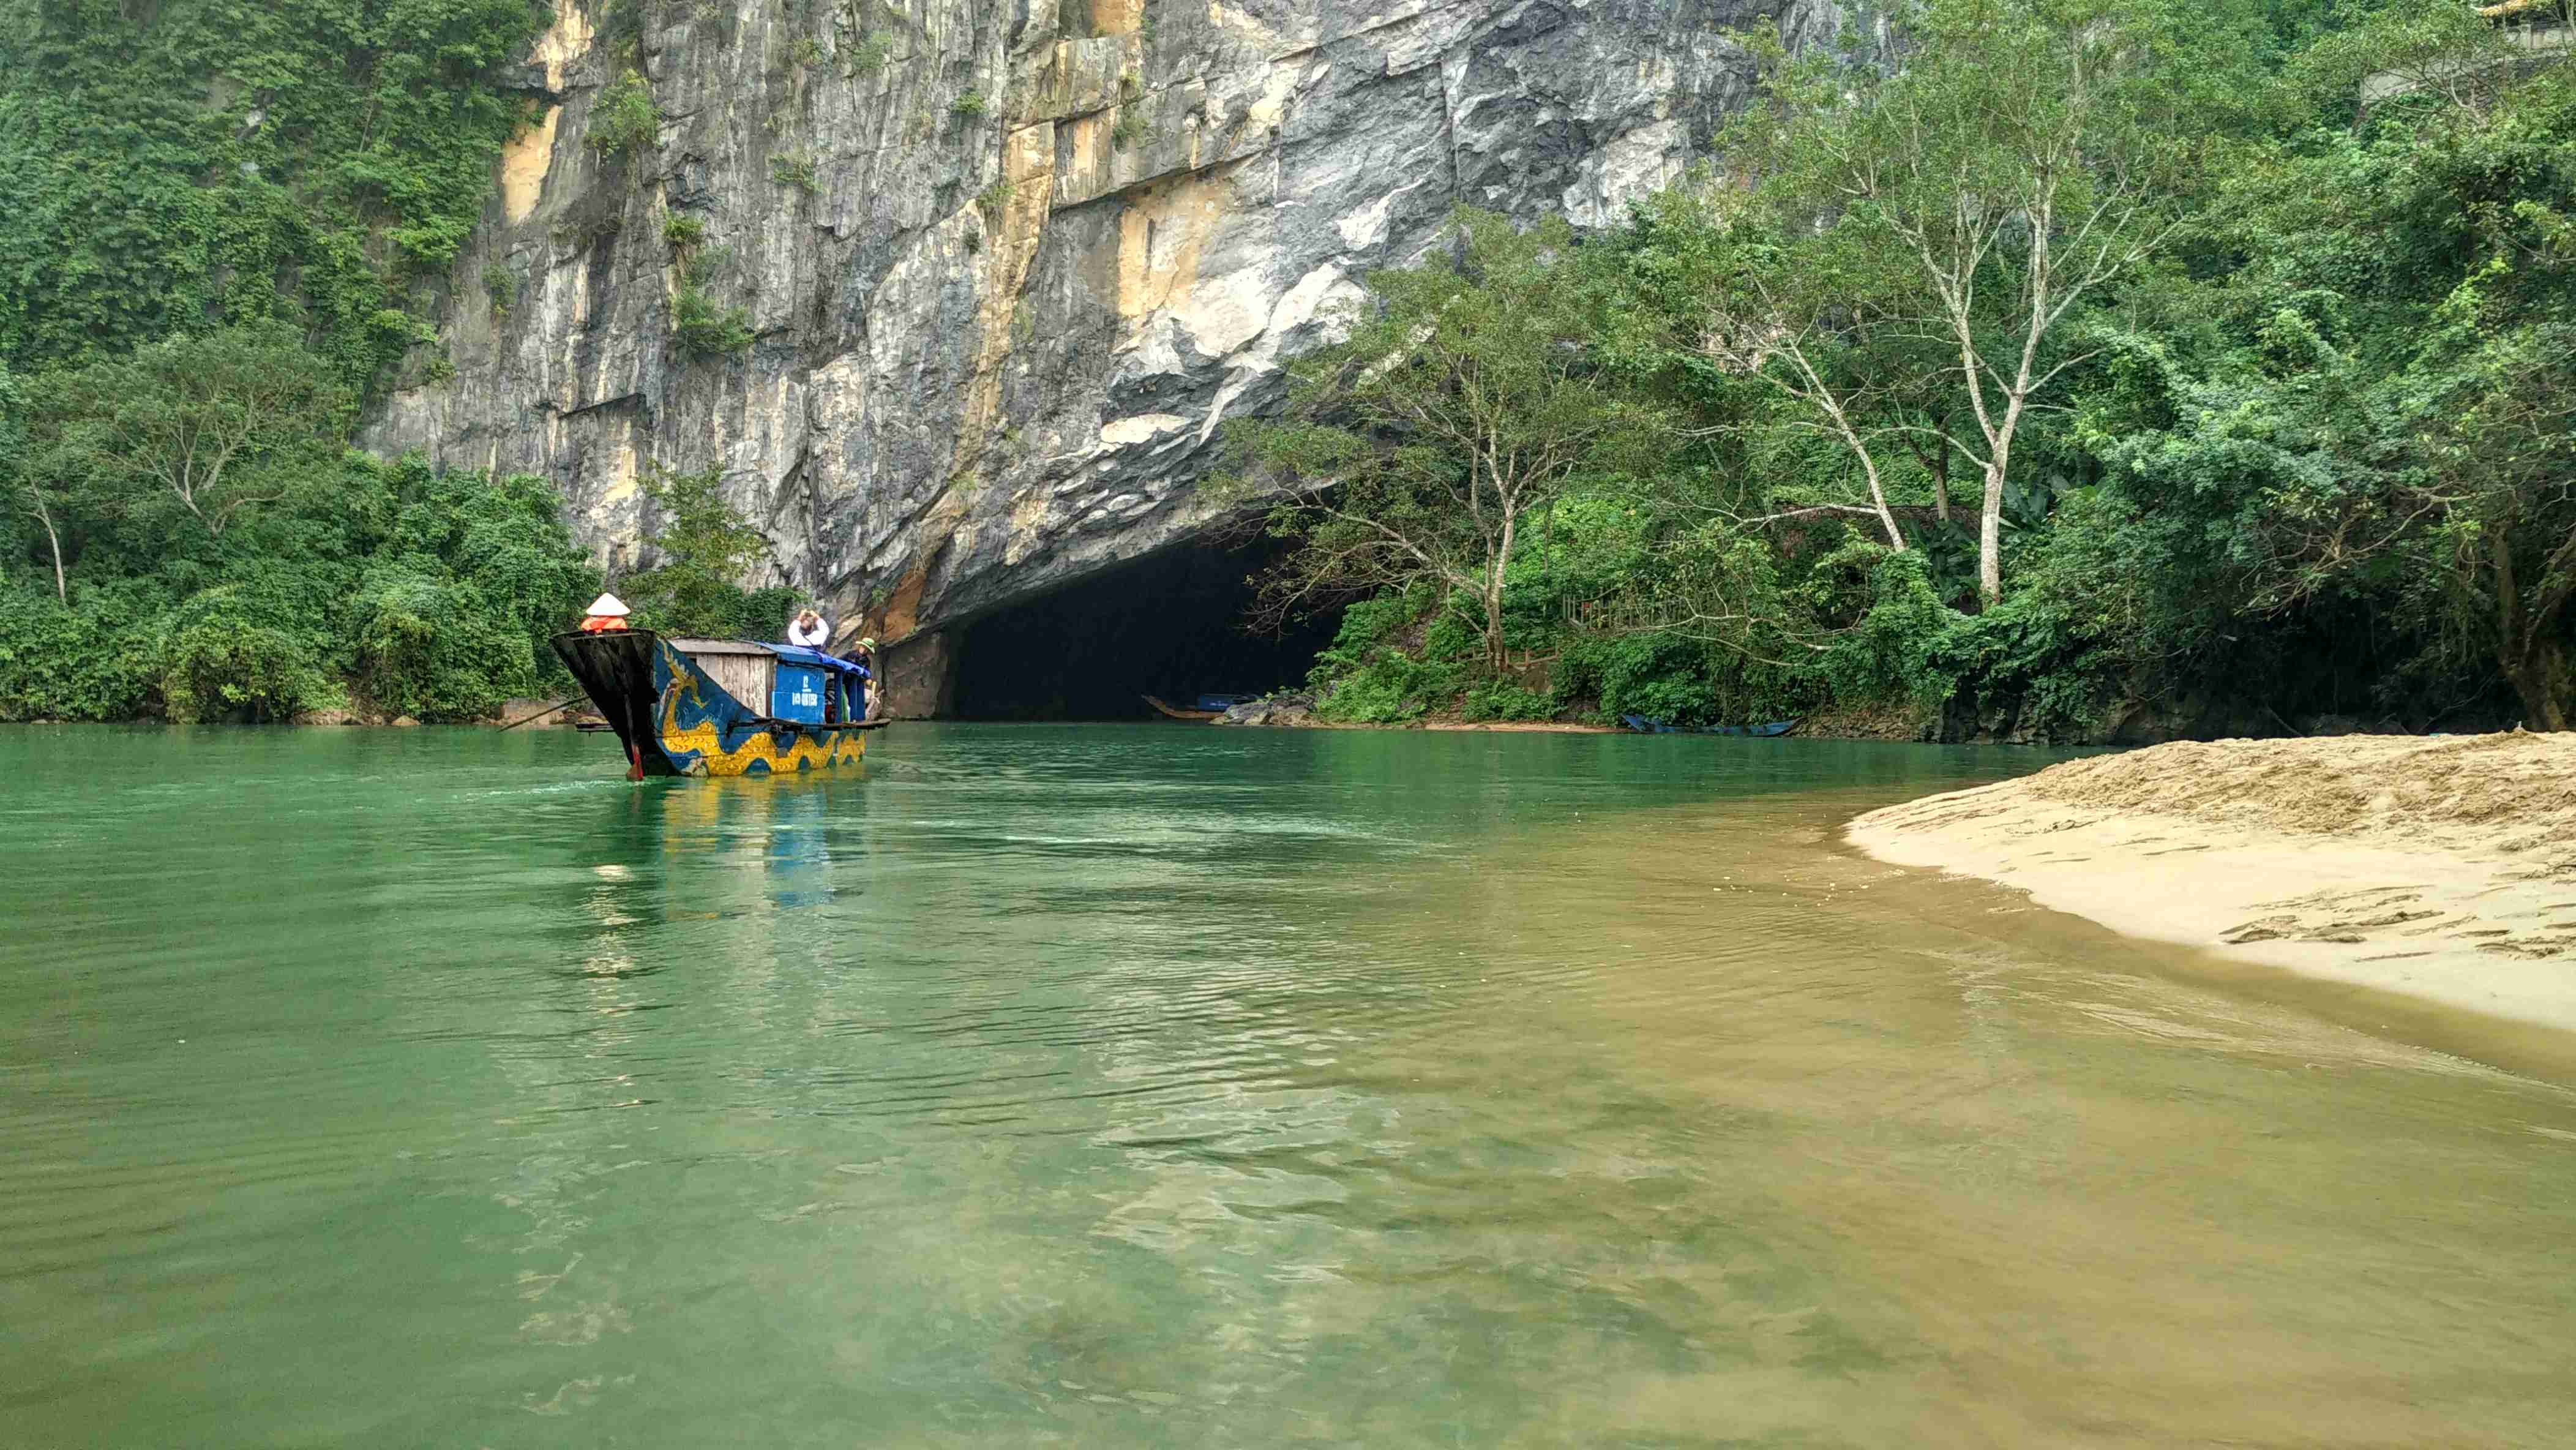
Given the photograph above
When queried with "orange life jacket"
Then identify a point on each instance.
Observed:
(602, 623)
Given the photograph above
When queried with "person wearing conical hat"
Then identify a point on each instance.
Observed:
(607, 612)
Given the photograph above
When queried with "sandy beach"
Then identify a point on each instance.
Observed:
(2442, 867)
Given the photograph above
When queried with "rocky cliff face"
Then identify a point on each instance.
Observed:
(1009, 263)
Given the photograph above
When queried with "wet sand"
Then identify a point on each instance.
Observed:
(2444, 869)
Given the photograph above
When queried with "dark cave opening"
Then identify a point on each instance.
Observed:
(1172, 624)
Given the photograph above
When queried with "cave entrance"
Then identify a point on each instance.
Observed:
(1171, 624)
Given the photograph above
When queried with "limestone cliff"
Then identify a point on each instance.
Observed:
(1009, 263)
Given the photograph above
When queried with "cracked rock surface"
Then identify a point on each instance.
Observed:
(1008, 266)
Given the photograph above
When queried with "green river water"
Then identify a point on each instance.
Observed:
(1175, 1086)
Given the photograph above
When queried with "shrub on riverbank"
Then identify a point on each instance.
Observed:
(191, 539)
(398, 588)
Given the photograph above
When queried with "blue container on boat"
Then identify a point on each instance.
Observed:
(798, 695)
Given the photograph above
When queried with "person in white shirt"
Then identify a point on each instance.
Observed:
(809, 630)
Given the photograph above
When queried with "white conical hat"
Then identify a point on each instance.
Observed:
(608, 604)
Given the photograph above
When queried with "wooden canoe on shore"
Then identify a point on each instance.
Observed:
(1767, 728)
(1178, 713)
(686, 706)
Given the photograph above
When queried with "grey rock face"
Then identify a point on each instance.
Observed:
(1280, 710)
(1009, 264)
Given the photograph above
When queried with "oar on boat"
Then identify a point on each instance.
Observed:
(541, 714)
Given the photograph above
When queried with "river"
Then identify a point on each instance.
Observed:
(1175, 1086)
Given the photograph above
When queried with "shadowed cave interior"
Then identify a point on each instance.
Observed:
(1172, 624)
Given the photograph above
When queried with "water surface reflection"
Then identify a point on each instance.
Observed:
(1171, 1086)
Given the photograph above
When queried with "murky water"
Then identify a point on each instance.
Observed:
(1174, 1086)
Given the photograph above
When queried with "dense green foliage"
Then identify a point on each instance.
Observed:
(703, 326)
(1423, 446)
(166, 167)
(220, 226)
(388, 587)
(206, 549)
(625, 121)
(2297, 448)
(705, 546)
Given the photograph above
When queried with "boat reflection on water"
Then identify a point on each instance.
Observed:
(780, 825)
(733, 852)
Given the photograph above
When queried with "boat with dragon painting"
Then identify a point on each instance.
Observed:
(721, 706)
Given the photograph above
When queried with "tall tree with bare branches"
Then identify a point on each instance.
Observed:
(209, 425)
(2017, 167)
(28, 486)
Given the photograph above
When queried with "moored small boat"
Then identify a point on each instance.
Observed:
(1644, 726)
(682, 706)
(1177, 713)
(1204, 707)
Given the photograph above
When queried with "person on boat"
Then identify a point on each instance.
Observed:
(809, 629)
(607, 612)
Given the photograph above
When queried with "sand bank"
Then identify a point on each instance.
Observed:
(2444, 868)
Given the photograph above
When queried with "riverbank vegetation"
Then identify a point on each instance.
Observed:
(2109, 371)
(210, 548)
(222, 232)
(2112, 369)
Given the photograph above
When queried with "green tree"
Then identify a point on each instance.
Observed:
(623, 119)
(451, 613)
(1462, 403)
(2020, 163)
(707, 550)
(30, 488)
(2499, 503)
(214, 424)
(2361, 414)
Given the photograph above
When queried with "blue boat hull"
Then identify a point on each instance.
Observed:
(1644, 726)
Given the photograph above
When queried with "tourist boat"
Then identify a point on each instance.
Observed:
(679, 706)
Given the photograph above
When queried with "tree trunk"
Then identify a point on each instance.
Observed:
(2538, 676)
(2525, 651)
(1494, 590)
(53, 541)
(1990, 538)
(2536, 666)
(2556, 685)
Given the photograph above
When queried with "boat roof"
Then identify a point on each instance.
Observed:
(720, 646)
(794, 654)
(797, 654)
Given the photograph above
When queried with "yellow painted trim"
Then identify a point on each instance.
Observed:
(810, 751)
